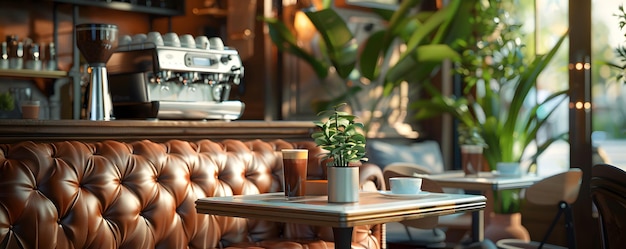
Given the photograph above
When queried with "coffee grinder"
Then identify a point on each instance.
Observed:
(96, 43)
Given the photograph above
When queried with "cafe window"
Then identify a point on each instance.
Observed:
(543, 23)
(608, 92)
(551, 21)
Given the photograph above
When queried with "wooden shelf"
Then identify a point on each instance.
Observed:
(28, 73)
(177, 9)
(16, 130)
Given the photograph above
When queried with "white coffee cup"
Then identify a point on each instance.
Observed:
(405, 185)
(216, 43)
(187, 41)
(202, 42)
(171, 39)
(155, 37)
(125, 40)
(139, 38)
(512, 169)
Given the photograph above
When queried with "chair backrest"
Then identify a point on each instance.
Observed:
(608, 193)
(564, 186)
(425, 153)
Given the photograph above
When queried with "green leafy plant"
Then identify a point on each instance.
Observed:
(7, 103)
(340, 135)
(470, 136)
(410, 48)
(493, 68)
(620, 51)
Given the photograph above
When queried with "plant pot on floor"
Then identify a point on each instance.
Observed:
(506, 226)
(343, 184)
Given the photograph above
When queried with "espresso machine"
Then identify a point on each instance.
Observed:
(171, 77)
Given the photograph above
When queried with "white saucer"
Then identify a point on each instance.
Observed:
(418, 195)
(498, 174)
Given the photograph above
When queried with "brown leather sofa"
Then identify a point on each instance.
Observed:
(141, 194)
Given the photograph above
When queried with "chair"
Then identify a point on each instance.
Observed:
(560, 190)
(608, 193)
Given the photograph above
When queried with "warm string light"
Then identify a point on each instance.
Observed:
(580, 105)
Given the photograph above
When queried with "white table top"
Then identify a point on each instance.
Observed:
(484, 181)
(372, 208)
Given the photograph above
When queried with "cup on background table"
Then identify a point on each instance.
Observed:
(295, 171)
(510, 169)
(30, 109)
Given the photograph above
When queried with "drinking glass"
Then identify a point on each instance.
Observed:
(295, 171)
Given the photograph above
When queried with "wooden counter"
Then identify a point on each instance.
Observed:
(14, 130)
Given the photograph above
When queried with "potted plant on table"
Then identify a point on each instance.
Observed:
(341, 138)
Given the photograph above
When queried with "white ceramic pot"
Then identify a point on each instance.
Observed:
(343, 184)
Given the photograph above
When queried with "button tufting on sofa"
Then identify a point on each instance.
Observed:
(141, 194)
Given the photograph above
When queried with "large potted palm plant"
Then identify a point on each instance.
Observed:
(494, 66)
(508, 127)
(410, 48)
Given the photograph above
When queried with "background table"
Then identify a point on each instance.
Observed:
(372, 208)
(485, 183)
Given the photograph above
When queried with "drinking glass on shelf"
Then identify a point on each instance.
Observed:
(20, 94)
(4, 56)
(30, 109)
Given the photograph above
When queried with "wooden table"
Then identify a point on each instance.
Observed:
(372, 208)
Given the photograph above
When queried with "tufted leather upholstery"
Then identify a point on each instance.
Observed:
(142, 194)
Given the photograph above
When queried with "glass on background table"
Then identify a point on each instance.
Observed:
(372, 208)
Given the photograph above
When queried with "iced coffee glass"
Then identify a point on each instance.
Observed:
(471, 159)
(295, 171)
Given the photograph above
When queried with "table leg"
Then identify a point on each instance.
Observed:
(478, 226)
(343, 237)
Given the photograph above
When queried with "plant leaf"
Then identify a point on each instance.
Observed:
(285, 41)
(372, 49)
(342, 49)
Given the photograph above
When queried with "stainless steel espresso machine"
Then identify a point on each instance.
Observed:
(171, 78)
